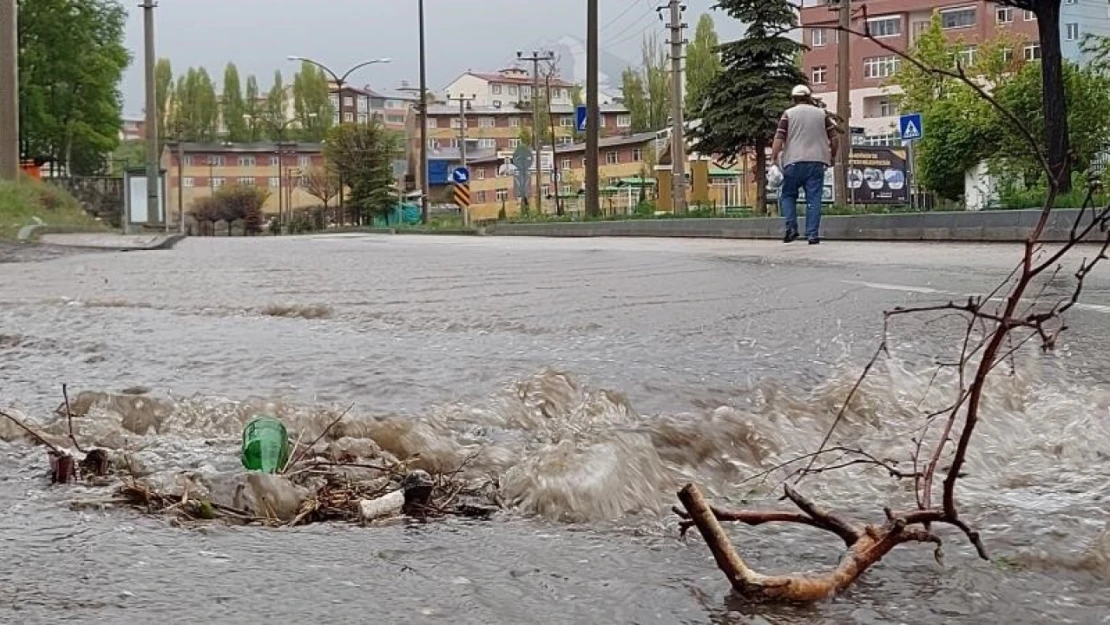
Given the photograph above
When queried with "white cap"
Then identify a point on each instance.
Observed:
(800, 91)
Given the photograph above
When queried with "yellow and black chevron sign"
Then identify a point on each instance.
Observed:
(462, 195)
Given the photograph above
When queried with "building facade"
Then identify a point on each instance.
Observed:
(502, 128)
(205, 168)
(898, 23)
(508, 87)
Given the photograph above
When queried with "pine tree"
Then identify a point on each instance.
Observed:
(741, 112)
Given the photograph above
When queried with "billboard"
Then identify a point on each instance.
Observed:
(876, 175)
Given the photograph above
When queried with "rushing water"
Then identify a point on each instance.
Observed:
(592, 378)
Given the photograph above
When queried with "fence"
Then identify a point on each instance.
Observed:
(100, 196)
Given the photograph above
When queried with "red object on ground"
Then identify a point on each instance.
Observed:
(31, 169)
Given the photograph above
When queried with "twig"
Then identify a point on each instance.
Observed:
(69, 419)
(300, 454)
(34, 434)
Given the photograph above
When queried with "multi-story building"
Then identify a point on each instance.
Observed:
(132, 130)
(508, 87)
(363, 104)
(898, 23)
(502, 127)
(207, 167)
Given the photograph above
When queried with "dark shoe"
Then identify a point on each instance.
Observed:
(815, 241)
(790, 237)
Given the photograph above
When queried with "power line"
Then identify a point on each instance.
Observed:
(632, 25)
(631, 5)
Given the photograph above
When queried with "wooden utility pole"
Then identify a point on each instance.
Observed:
(424, 186)
(536, 129)
(593, 113)
(678, 125)
(9, 90)
(843, 103)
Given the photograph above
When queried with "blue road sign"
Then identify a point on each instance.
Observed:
(460, 175)
(580, 117)
(910, 127)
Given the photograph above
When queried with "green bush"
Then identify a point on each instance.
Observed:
(25, 201)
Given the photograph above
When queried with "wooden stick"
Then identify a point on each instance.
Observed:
(33, 434)
(300, 454)
(738, 573)
(69, 418)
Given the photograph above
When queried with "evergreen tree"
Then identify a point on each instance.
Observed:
(703, 63)
(233, 107)
(254, 108)
(275, 107)
(635, 100)
(741, 112)
(312, 102)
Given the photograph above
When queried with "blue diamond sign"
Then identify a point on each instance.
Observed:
(910, 127)
(580, 117)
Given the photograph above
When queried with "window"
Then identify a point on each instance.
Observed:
(545, 189)
(514, 143)
(637, 155)
(565, 164)
(348, 117)
(495, 89)
(246, 182)
(487, 122)
(394, 104)
(566, 190)
(966, 56)
(189, 161)
(433, 144)
(188, 183)
(565, 140)
(526, 91)
(624, 121)
(362, 108)
(613, 182)
(334, 101)
(818, 37)
(919, 27)
(880, 66)
(348, 101)
(1004, 15)
(612, 158)
(1007, 55)
(957, 18)
(480, 173)
(487, 143)
(1069, 1)
(885, 26)
(456, 122)
(566, 121)
(502, 195)
(1028, 16)
(216, 183)
(454, 143)
(514, 122)
(215, 161)
(887, 108)
(819, 75)
(275, 182)
(1072, 31)
(889, 139)
(395, 119)
(1032, 52)
(513, 90)
(304, 161)
(362, 117)
(497, 104)
(480, 197)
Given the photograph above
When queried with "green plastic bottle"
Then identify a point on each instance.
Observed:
(265, 445)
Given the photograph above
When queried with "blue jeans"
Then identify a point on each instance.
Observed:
(811, 177)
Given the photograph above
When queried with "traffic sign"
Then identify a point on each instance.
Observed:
(462, 195)
(580, 117)
(910, 127)
(460, 175)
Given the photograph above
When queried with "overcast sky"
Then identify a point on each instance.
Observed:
(477, 34)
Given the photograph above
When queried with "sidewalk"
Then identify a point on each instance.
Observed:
(117, 242)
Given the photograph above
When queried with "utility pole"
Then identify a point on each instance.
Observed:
(423, 120)
(678, 124)
(843, 103)
(9, 90)
(152, 158)
(536, 130)
(464, 104)
(593, 113)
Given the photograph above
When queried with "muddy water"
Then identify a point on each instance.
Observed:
(593, 377)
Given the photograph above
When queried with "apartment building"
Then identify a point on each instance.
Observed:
(898, 23)
(501, 127)
(363, 104)
(208, 166)
(508, 87)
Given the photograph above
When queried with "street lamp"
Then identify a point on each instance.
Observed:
(279, 129)
(340, 81)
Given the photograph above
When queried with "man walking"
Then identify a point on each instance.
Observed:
(805, 145)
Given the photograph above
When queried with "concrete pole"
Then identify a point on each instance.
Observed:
(180, 187)
(424, 186)
(463, 102)
(678, 125)
(536, 130)
(593, 113)
(152, 157)
(9, 90)
(843, 104)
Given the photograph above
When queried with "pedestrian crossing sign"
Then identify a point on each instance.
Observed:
(910, 127)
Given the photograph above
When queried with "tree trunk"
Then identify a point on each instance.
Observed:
(1055, 104)
(760, 207)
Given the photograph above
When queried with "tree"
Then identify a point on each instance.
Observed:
(163, 91)
(703, 63)
(635, 99)
(657, 81)
(362, 155)
(741, 113)
(275, 106)
(254, 108)
(312, 102)
(196, 106)
(233, 107)
(71, 62)
(242, 203)
(321, 183)
(1053, 89)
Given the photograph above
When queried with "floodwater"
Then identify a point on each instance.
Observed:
(593, 378)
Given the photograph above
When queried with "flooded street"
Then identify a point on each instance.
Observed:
(592, 377)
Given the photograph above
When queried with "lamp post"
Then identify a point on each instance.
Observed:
(340, 82)
(423, 119)
(279, 129)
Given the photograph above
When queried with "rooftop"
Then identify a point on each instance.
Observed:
(511, 109)
(516, 77)
(245, 148)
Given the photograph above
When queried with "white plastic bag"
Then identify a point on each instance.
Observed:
(774, 177)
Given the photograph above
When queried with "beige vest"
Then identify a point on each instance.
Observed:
(807, 138)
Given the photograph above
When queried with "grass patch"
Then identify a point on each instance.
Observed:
(24, 202)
